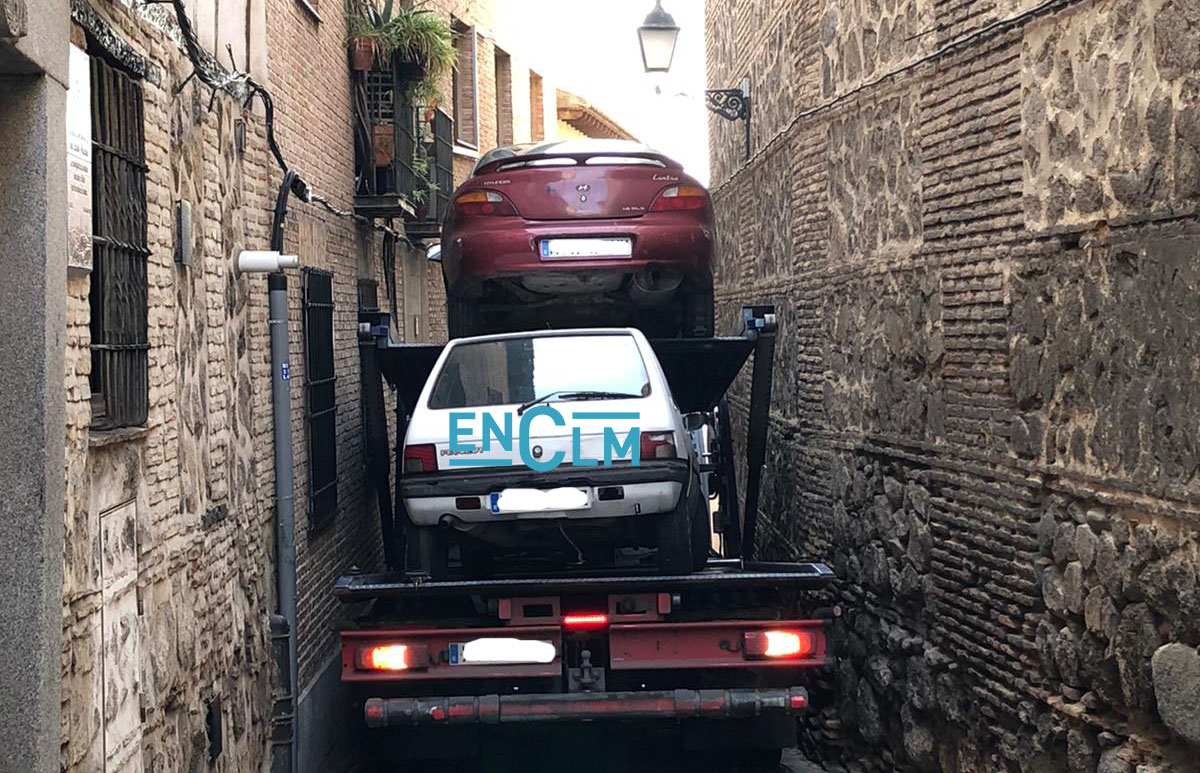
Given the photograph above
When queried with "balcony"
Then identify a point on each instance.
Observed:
(403, 152)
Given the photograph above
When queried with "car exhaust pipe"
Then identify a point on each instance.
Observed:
(654, 286)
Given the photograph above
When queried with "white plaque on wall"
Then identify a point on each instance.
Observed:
(79, 163)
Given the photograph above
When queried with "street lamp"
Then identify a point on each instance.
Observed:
(657, 36)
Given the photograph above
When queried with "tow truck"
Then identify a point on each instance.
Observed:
(726, 654)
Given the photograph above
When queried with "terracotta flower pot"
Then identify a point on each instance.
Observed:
(362, 54)
(383, 138)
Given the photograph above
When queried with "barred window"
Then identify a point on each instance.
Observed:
(321, 402)
(120, 346)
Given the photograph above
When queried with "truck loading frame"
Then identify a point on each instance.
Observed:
(732, 647)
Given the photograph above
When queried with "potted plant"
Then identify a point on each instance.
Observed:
(366, 33)
(422, 45)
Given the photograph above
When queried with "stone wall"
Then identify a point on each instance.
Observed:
(169, 528)
(169, 543)
(978, 221)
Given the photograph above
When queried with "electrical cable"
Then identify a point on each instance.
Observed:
(240, 85)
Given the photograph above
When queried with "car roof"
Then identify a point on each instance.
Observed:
(576, 332)
(574, 148)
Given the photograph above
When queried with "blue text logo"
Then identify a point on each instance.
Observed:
(463, 425)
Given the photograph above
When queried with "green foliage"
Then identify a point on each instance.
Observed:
(412, 34)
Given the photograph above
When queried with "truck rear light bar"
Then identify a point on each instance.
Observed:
(393, 657)
(586, 620)
(778, 644)
(717, 644)
(433, 654)
(564, 707)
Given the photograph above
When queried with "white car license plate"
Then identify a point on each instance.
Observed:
(532, 500)
(502, 651)
(603, 247)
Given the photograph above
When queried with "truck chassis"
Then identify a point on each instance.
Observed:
(732, 647)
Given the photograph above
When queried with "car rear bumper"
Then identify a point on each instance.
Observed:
(636, 499)
(646, 489)
(470, 482)
(493, 248)
(569, 707)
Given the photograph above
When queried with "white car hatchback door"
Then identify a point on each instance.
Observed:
(573, 430)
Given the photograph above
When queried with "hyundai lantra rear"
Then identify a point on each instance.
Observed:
(575, 234)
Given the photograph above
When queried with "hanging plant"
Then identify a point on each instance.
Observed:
(422, 45)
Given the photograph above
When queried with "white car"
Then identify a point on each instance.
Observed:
(560, 442)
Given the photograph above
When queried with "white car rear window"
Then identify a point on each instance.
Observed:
(517, 370)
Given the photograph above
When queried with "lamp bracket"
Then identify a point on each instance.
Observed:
(730, 104)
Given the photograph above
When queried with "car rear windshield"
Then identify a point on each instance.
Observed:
(517, 370)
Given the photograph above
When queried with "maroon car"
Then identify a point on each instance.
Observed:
(579, 233)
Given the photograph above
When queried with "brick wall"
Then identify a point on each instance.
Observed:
(169, 530)
(169, 539)
(978, 223)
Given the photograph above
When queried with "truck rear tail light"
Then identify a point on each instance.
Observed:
(585, 620)
(759, 645)
(420, 458)
(488, 203)
(680, 198)
(658, 445)
(393, 657)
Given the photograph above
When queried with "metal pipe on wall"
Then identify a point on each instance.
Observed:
(285, 513)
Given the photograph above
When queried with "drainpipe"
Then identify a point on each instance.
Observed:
(284, 738)
(285, 513)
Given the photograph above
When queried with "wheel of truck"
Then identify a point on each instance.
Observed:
(462, 316)
(432, 551)
(675, 537)
(701, 528)
(698, 314)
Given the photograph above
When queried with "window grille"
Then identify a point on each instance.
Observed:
(118, 294)
(442, 164)
(321, 402)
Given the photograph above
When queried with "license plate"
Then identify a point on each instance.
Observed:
(502, 651)
(603, 247)
(532, 500)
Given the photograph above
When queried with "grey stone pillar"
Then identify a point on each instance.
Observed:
(33, 270)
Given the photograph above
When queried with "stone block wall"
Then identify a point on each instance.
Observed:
(169, 529)
(978, 222)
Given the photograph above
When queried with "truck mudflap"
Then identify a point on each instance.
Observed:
(569, 707)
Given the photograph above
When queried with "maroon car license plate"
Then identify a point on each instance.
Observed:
(600, 247)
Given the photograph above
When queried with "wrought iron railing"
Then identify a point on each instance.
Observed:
(321, 398)
(404, 163)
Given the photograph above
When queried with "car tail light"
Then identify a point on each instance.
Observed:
(420, 458)
(679, 198)
(658, 445)
(585, 620)
(779, 644)
(467, 503)
(485, 203)
(393, 657)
